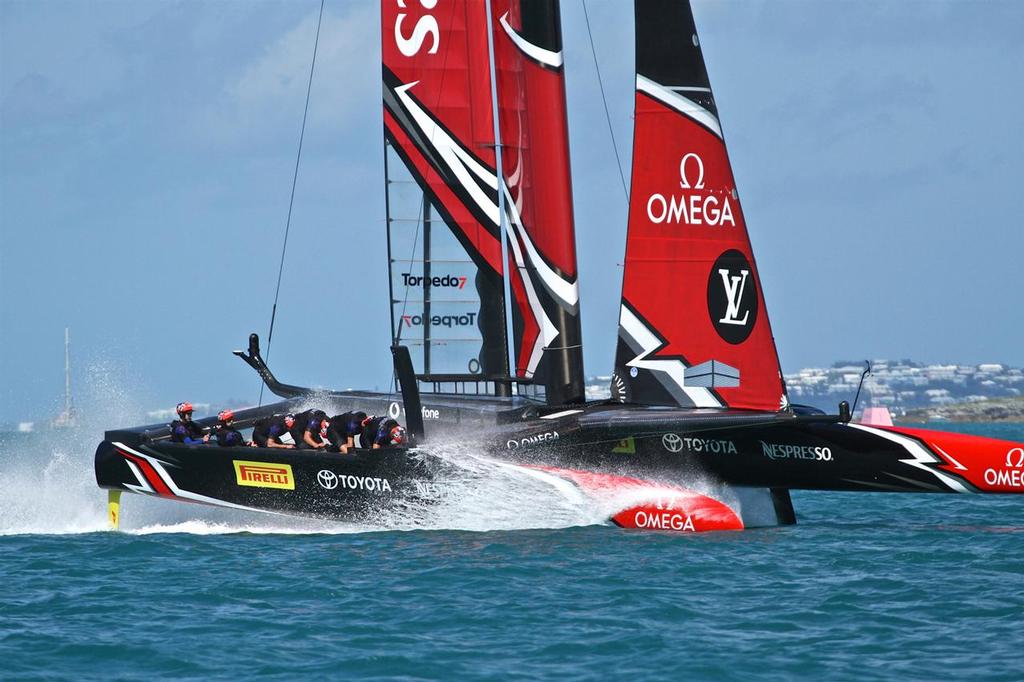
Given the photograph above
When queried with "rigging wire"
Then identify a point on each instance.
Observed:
(604, 100)
(291, 200)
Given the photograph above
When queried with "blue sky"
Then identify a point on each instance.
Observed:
(147, 149)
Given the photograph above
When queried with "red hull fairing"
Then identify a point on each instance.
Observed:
(650, 506)
(966, 463)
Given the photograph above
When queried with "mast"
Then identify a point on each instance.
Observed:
(67, 373)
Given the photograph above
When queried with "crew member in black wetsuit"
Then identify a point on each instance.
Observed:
(267, 432)
(184, 430)
(343, 430)
(382, 432)
(226, 435)
(307, 428)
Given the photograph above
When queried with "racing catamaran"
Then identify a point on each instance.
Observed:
(699, 434)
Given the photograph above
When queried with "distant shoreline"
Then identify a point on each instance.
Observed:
(998, 410)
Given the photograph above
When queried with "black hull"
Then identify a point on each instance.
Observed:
(356, 487)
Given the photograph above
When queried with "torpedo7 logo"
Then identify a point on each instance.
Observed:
(452, 281)
(449, 321)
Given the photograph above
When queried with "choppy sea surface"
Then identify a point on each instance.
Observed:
(866, 586)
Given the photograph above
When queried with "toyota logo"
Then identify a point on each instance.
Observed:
(672, 442)
(327, 479)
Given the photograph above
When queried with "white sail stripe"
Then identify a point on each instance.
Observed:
(455, 157)
(547, 57)
(429, 126)
(674, 369)
(548, 331)
(681, 104)
(185, 494)
(921, 457)
(566, 292)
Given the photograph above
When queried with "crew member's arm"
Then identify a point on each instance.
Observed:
(307, 436)
(187, 437)
(271, 443)
(349, 443)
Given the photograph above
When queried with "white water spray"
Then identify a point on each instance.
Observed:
(48, 486)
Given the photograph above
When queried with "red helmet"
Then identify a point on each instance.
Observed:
(183, 408)
(289, 420)
(366, 420)
(398, 436)
(226, 416)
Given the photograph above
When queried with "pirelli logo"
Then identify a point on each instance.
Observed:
(264, 474)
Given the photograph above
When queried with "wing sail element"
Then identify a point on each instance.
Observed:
(693, 327)
(444, 222)
(534, 133)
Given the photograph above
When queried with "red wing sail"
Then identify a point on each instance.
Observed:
(447, 280)
(693, 328)
(538, 195)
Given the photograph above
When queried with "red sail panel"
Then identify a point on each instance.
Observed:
(534, 134)
(693, 327)
(438, 119)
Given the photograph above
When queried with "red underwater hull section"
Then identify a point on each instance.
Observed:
(654, 506)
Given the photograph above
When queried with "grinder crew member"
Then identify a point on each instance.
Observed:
(306, 430)
(343, 430)
(382, 432)
(267, 432)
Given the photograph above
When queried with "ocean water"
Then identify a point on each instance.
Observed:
(520, 584)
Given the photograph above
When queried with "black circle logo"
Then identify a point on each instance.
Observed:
(732, 297)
